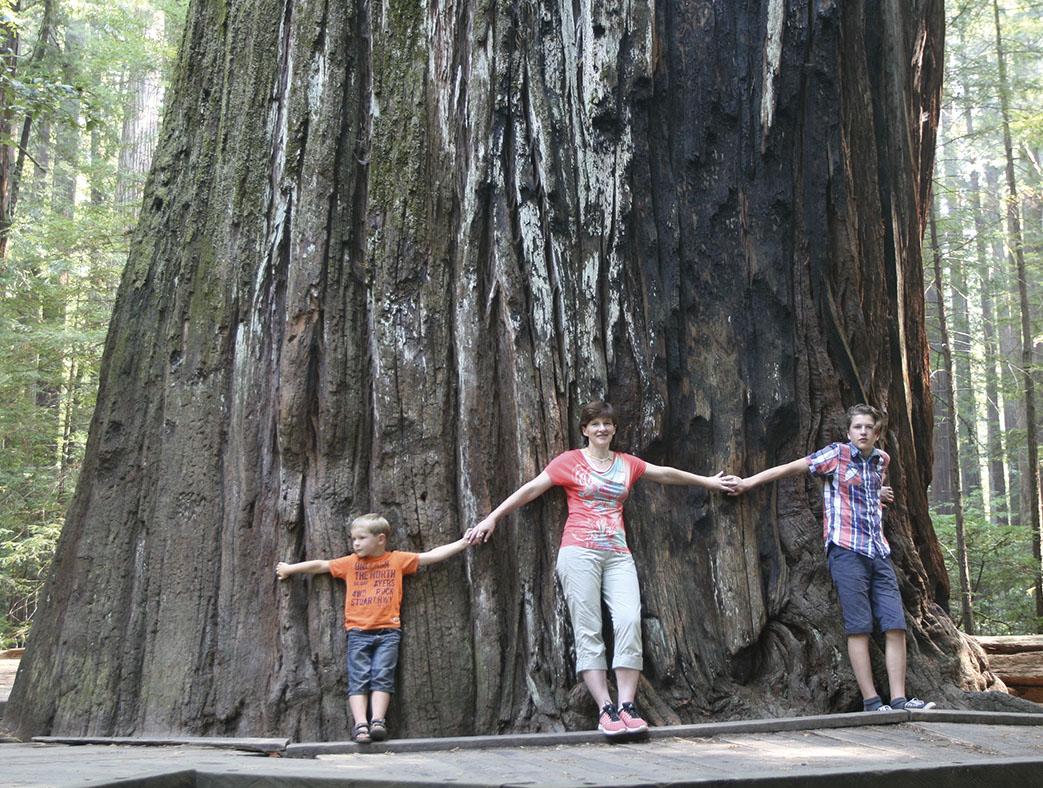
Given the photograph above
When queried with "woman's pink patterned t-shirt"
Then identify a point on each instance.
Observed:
(595, 498)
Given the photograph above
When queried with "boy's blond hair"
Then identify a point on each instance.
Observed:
(374, 523)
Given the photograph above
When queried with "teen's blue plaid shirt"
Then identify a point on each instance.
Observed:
(852, 515)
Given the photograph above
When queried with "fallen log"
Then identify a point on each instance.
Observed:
(1010, 644)
(1019, 670)
(1034, 694)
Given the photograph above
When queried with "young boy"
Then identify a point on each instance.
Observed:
(856, 550)
(372, 601)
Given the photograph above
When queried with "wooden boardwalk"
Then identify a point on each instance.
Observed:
(896, 749)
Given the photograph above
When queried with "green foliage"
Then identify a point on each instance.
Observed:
(67, 247)
(1001, 566)
(982, 297)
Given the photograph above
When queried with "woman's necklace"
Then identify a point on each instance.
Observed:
(599, 463)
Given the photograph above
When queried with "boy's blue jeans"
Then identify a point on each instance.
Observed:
(372, 658)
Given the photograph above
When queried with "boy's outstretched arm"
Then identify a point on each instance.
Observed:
(795, 468)
(437, 554)
(664, 474)
(284, 570)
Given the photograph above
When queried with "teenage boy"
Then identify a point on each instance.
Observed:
(372, 601)
(856, 550)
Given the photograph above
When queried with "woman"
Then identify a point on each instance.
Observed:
(594, 562)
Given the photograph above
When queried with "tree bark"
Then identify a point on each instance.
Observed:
(998, 501)
(998, 494)
(948, 396)
(1010, 352)
(42, 46)
(385, 254)
(140, 133)
(9, 45)
(945, 466)
(964, 406)
(67, 135)
(13, 153)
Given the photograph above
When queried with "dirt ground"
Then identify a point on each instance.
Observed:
(8, 667)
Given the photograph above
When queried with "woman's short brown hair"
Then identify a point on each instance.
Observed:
(598, 409)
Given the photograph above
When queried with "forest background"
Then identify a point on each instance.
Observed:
(82, 85)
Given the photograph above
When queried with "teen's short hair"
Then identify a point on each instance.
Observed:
(598, 409)
(865, 410)
(372, 522)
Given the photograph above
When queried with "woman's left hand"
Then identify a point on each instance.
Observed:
(724, 483)
(481, 532)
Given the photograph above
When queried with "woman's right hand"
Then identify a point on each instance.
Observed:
(481, 532)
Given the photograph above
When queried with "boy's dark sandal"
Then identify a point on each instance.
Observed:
(360, 734)
(378, 730)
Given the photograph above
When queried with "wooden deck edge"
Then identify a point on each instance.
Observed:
(702, 730)
(246, 744)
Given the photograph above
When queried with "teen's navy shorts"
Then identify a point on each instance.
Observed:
(372, 658)
(868, 591)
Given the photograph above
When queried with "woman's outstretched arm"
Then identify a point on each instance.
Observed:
(529, 491)
(664, 474)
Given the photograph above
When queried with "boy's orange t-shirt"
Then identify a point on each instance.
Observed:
(373, 593)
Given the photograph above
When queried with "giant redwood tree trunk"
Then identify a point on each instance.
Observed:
(386, 252)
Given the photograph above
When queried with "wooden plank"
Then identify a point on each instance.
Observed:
(881, 743)
(976, 717)
(701, 730)
(249, 745)
(1008, 741)
(898, 756)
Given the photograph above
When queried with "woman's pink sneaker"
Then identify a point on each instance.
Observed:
(630, 717)
(609, 722)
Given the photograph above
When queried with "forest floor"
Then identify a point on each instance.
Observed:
(8, 667)
(897, 749)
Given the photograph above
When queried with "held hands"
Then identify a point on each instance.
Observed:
(741, 486)
(723, 483)
(482, 532)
